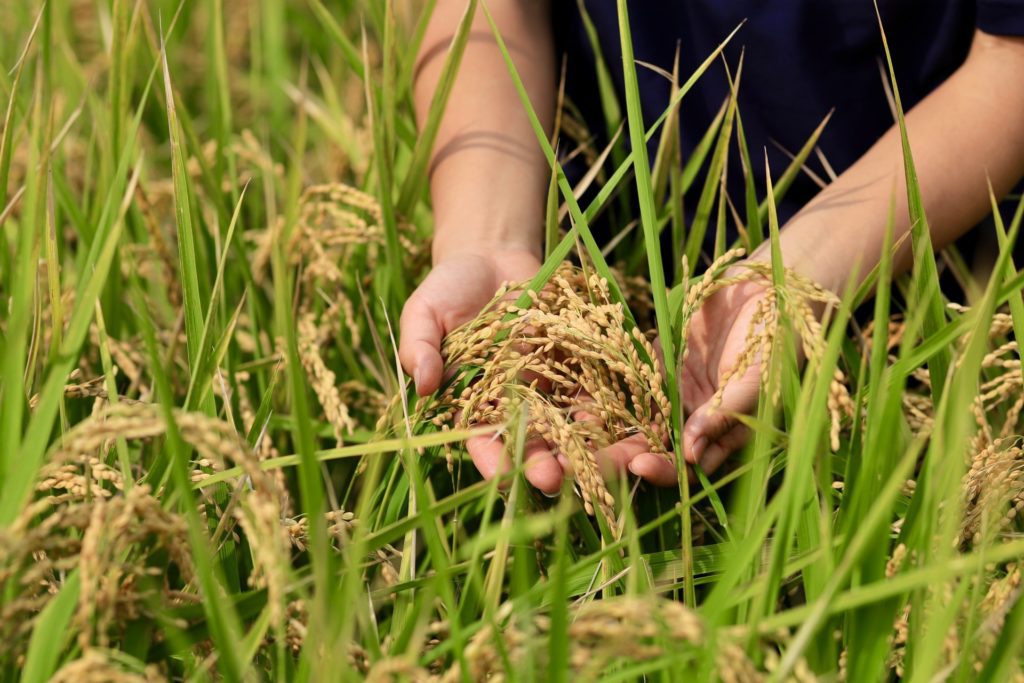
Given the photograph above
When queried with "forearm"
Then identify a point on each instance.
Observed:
(967, 131)
(488, 174)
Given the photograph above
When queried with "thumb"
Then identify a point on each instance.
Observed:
(709, 423)
(419, 346)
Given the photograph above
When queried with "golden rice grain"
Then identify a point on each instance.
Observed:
(586, 378)
(568, 359)
(96, 666)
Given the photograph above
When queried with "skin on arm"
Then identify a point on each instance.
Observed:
(488, 176)
(488, 184)
(970, 129)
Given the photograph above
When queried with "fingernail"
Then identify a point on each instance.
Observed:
(556, 494)
(417, 377)
(698, 447)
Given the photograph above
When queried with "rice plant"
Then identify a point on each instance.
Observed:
(214, 467)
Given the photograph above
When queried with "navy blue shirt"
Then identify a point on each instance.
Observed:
(803, 58)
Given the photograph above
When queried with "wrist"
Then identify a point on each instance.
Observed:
(456, 244)
(488, 266)
(806, 251)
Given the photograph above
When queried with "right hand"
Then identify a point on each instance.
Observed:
(458, 287)
(454, 292)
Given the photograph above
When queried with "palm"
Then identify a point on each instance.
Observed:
(717, 339)
(455, 292)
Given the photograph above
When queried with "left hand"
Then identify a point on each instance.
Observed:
(717, 339)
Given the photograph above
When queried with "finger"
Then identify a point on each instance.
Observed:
(690, 390)
(542, 469)
(543, 384)
(613, 460)
(583, 408)
(564, 462)
(709, 423)
(657, 469)
(662, 431)
(717, 453)
(419, 346)
(488, 454)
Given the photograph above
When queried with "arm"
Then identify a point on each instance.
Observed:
(969, 129)
(488, 171)
(488, 175)
(488, 184)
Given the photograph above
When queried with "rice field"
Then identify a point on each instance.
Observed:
(212, 466)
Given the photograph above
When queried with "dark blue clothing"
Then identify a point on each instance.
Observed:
(803, 58)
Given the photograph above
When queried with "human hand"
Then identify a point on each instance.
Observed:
(458, 288)
(455, 291)
(716, 341)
